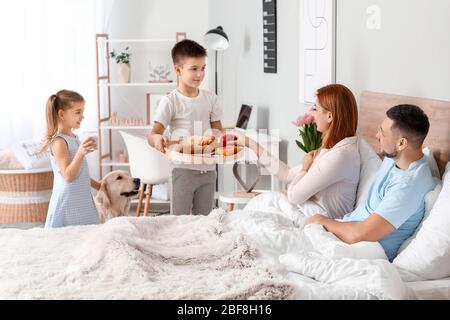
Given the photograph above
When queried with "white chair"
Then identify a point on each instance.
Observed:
(147, 164)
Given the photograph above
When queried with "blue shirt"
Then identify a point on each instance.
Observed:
(399, 197)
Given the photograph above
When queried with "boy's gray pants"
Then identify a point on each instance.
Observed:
(192, 189)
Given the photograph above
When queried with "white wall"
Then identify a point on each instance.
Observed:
(143, 19)
(408, 55)
(241, 75)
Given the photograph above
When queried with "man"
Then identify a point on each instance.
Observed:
(394, 205)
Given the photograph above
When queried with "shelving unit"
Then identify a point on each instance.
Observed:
(104, 83)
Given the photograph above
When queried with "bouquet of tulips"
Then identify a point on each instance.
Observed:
(311, 138)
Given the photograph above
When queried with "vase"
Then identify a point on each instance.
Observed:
(124, 72)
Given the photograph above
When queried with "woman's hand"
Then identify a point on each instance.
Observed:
(239, 140)
(308, 160)
(87, 146)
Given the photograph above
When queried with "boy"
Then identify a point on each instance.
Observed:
(188, 111)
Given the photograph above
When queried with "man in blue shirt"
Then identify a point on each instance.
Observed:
(394, 205)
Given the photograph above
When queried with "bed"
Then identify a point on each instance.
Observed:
(252, 254)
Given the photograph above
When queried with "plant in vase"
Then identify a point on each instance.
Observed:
(311, 138)
(123, 61)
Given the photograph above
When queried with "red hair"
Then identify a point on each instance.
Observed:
(340, 101)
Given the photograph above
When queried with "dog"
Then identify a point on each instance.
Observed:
(114, 196)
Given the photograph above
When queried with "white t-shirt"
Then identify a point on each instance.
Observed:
(184, 116)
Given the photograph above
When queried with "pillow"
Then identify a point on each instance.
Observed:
(428, 254)
(430, 200)
(328, 245)
(370, 163)
(8, 161)
(27, 152)
(432, 162)
(430, 197)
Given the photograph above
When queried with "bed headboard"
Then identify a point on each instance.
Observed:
(372, 110)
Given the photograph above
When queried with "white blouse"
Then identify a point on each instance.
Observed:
(331, 181)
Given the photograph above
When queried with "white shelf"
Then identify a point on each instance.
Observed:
(142, 84)
(161, 40)
(115, 164)
(126, 127)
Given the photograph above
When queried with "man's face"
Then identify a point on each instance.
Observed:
(388, 139)
(191, 71)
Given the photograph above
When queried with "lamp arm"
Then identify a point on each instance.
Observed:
(215, 86)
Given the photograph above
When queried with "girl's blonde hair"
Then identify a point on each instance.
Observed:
(62, 100)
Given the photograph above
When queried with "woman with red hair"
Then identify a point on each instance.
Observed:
(328, 176)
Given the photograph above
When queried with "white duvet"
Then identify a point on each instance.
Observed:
(259, 253)
(313, 258)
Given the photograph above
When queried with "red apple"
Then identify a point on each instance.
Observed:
(227, 138)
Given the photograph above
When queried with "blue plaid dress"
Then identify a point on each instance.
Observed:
(71, 203)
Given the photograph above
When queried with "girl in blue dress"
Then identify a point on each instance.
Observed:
(71, 202)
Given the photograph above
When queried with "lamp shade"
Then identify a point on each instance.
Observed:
(216, 39)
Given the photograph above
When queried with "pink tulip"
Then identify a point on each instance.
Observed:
(302, 120)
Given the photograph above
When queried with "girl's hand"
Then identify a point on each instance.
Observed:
(87, 146)
(308, 160)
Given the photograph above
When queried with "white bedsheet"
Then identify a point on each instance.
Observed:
(359, 271)
(431, 289)
(247, 254)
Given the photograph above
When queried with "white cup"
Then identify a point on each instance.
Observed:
(92, 134)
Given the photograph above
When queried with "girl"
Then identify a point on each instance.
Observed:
(71, 202)
(329, 176)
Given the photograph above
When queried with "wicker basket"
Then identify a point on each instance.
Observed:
(25, 195)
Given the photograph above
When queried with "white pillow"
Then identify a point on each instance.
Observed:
(8, 161)
(27, 153)
(432, 162)
(370, 163)
(428, 254)
(430, 200)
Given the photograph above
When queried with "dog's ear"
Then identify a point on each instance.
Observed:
(103, 196)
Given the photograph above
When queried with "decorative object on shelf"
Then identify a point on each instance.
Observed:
(159, 73)
(180, 36)
(247, 188)
(122, 156)
(115, 120)
(270, 35)
(311, 138)
(153, 100)
(123, 62)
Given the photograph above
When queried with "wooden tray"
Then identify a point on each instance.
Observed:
(203, 159)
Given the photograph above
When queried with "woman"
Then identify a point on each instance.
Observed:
(328, 176)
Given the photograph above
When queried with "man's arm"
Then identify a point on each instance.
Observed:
(372, 229)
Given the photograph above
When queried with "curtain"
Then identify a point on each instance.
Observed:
(46, 46)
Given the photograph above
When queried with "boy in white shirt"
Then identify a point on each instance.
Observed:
(189, 111)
